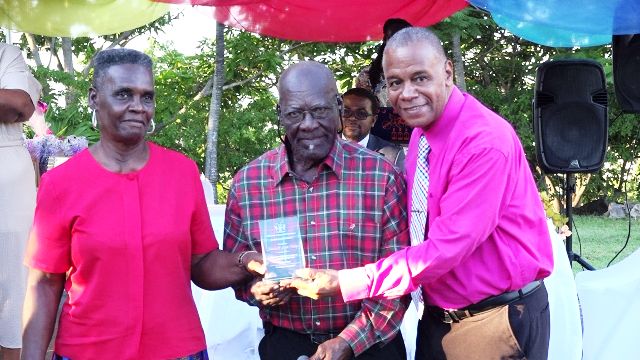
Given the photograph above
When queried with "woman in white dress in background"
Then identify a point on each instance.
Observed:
(19, 92)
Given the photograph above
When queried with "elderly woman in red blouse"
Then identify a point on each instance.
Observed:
(123, 226)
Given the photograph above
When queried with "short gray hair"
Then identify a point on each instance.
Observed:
(412, 35)
(105, 59)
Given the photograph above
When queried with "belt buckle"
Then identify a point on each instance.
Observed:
(449, 316)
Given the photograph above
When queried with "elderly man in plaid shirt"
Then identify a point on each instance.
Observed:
(351, 210)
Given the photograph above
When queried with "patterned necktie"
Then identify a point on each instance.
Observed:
(419, 208)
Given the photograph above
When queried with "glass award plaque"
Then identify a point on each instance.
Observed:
(282, 251)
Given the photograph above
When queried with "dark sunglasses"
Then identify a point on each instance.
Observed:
(358, 114)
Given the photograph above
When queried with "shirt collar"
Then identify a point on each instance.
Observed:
(334, 161)
(447, 119)
(362, 142)
(281, 165)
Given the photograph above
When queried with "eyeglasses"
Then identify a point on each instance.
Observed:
(358, 114)
(296, 116)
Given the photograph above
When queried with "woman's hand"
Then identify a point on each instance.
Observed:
(252, 262)
(220, 269)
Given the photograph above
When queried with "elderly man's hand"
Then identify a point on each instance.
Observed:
(315, 283)
(270, 293)
(334, 349)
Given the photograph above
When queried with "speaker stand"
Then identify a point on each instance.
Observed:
(569, 189)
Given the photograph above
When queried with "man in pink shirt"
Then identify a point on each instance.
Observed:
(486, 246)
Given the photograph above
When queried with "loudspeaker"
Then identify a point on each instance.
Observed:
(570, 116)
(626, 71)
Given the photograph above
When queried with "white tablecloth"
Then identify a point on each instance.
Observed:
(232, 328)
(566, 332)
(610, 300)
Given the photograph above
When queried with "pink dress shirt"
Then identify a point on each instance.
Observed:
(126, 241)
(487, 231)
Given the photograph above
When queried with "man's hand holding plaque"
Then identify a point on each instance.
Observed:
(315, 283)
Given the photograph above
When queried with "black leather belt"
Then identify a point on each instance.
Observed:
(455, 315)
(316, 338)
(320, 338)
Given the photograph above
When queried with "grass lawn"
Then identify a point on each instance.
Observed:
(602, 238)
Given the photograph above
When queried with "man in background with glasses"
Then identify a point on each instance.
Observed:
(350, 207)
(359, 116)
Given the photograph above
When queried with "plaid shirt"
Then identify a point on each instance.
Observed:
(353, 213)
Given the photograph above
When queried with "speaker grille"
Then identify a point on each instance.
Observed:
(545, 99)
(570, 116)
(569, 143)
(601, 98)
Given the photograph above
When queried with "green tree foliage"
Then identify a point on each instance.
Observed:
(499, 69)
(248, 125)
(65, 90)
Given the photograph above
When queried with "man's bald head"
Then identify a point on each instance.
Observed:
(309, 109)
(307, 74)
(416, 35)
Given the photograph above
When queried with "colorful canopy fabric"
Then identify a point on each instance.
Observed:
(325, 20)
(563, 23)
(78, 17)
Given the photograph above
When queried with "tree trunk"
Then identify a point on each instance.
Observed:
(67, 56)
(552, 190)
(581, 186)
(54, 54)
(35, 52)
(211, 162)
(458, 63)
(623, 171)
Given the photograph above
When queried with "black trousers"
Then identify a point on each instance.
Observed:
(519, 330)
(282, 344)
